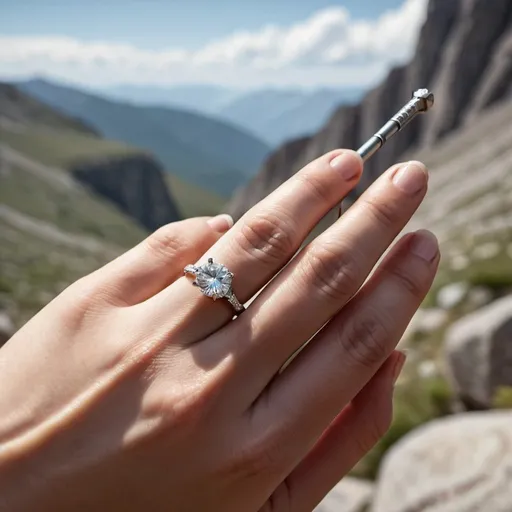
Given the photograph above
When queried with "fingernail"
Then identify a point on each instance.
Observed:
(399, 366)
(221, 223)
(346, 164)
(424, 244)
(411, 178)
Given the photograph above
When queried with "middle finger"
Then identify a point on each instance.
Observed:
(321, 280)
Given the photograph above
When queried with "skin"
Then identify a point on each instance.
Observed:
(133, 391)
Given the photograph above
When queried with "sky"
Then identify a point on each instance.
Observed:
(237, 43)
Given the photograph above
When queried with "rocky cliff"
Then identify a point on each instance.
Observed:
(464, 54)
(134, 183)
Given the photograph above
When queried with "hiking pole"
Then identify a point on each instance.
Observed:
(422, 101)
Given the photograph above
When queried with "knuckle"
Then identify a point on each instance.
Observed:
(315, 186)
(178, 410)
(385, 214)
(165, 242)
(409, 281)
(364, 340)
(335, 274)
(376, 428)
(270, 237)
(79, 300)
(261, 456)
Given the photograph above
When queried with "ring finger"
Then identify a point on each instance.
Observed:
(260, 244)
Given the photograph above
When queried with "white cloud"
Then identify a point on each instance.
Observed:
(329, 47)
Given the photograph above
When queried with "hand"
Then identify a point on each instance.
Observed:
(133, 391)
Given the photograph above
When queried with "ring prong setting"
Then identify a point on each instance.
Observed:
(215, 280)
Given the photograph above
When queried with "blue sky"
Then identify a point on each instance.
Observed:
(245, 43)
(158, 23)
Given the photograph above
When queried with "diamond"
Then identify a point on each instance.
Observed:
(214, 280)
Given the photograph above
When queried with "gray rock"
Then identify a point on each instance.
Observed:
(7, 328)
(479, 353)
(465, 62)
(350, 495)
(451, 295)
(429, 320)
(480, 296)
(460, 464)
(135, 184)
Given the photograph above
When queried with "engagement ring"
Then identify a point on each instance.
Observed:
(214, 280)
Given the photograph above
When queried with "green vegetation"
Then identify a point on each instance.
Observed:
(34, 269)
(61, 148)
(70, 209)
(53, 230)
(16, 105)
(193, 201)
(503, 398)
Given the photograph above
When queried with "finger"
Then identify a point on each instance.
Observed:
(343, 357)
(322, 279)
(158, 261)
(263, 240)
(349, 437)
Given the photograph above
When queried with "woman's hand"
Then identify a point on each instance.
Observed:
(133, 391)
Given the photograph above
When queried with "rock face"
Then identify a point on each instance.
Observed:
(136, 184)
(461, 464)
(479, 353)
(463, 54)
(350, 495)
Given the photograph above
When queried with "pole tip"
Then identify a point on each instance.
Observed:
(426, 97)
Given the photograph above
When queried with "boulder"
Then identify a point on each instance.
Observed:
(479, 354)
(452, 295)
(459, 464)
(7, 328)
(350, 495)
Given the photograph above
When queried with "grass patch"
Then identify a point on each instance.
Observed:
(33, 270)
(193, 201)
(503, 398)
(72, 210)
(61, 148)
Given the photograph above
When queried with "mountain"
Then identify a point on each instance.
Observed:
(20, 108)
(462, 55)
(54, 229)
(203, 98)
(198, 149)
(273, 115)
(129, 178)
(277, 115)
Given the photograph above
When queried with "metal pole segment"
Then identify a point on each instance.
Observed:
(422, 101)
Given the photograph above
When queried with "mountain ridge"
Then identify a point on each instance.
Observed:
(190, 145)
(271, 113)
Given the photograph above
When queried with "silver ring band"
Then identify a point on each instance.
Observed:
(214, 280)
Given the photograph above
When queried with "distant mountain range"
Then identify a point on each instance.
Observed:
(274, 115)
(200, 150)
(206, 99)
